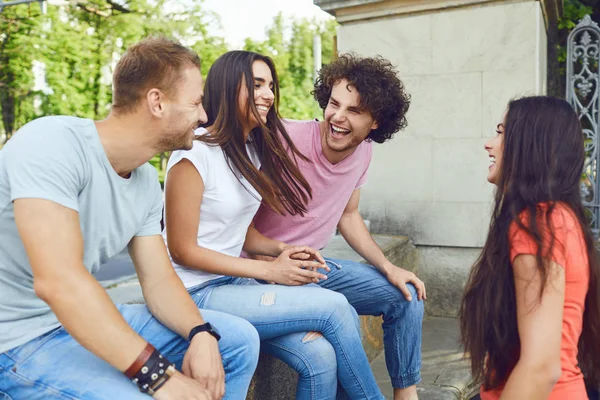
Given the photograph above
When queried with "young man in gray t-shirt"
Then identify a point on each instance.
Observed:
(74, 193)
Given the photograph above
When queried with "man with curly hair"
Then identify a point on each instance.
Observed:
(363, 101)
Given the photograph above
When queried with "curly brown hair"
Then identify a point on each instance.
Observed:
(381, 92)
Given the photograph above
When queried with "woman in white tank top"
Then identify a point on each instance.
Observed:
(212, 194)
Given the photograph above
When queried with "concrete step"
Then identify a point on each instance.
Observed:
(445, 373)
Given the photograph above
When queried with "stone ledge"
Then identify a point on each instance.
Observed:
(360, 10)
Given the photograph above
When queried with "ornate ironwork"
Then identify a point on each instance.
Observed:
(583, 92)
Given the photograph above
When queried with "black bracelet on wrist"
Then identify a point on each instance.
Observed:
(207, 327)
(154, 373)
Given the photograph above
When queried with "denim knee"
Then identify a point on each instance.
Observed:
(355, 317)
(317, 358)
(244, 342)
(399, 306)
(415, 306)
(337, 302)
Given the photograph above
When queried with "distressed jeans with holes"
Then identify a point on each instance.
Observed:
(283, 315)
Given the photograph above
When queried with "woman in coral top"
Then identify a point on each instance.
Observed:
(530, 315)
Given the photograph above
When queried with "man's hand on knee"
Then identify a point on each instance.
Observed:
(399, 277)
(202, 362)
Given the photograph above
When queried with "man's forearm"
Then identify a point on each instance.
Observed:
(85, 310)
(171, 304)
(355, 232)
(257, 243)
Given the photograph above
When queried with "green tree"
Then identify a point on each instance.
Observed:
(18, 31)
(79, 45)
(291, 48)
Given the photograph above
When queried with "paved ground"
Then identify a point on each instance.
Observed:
(445, 373)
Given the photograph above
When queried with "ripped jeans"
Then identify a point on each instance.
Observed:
(282, 315)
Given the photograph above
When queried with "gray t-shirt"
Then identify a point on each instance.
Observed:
(62, 159)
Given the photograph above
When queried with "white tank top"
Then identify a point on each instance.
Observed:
(227, 207)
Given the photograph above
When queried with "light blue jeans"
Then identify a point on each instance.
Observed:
(283, 315)
(370, 293)
(55, 366)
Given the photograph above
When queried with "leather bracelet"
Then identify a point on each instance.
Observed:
(154, 372)
(140, 361)
(169, 372)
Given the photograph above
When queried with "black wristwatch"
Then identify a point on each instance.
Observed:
(207, 327)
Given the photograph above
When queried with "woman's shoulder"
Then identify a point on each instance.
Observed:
(200, 147)
(201, 154)
(560, 215)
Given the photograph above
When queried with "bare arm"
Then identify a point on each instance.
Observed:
(168, 300)
(166, 297)
(259, 244)
(353, 229)
(355, 232)
(184, 192)
(52, 238)
(540, 330)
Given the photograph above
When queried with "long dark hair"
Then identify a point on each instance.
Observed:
(542, 162)
(279, 181)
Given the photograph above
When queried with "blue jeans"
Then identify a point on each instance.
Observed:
(55, 366)
(282, 315)
(370, 293)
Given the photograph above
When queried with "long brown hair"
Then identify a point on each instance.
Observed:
(279, 181)
(542, 161)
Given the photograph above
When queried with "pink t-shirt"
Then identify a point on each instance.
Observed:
(332, 185)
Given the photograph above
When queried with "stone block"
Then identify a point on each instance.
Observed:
(492, 37)
(460, 169)
(499, 87)
(405, 41)
(436, 224)
(444, 105)
(445, 272)
(401, 170)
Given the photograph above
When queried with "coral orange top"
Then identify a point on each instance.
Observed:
(570, 252)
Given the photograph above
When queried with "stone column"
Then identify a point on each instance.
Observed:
(462, 61)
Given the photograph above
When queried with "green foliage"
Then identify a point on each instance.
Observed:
(77, 46)
(18, 27)
(293, 57)
(574, 11)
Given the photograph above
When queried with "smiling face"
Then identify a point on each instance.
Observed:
(263, 96)
(185, 112)
(348, 123)
(495, 147)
